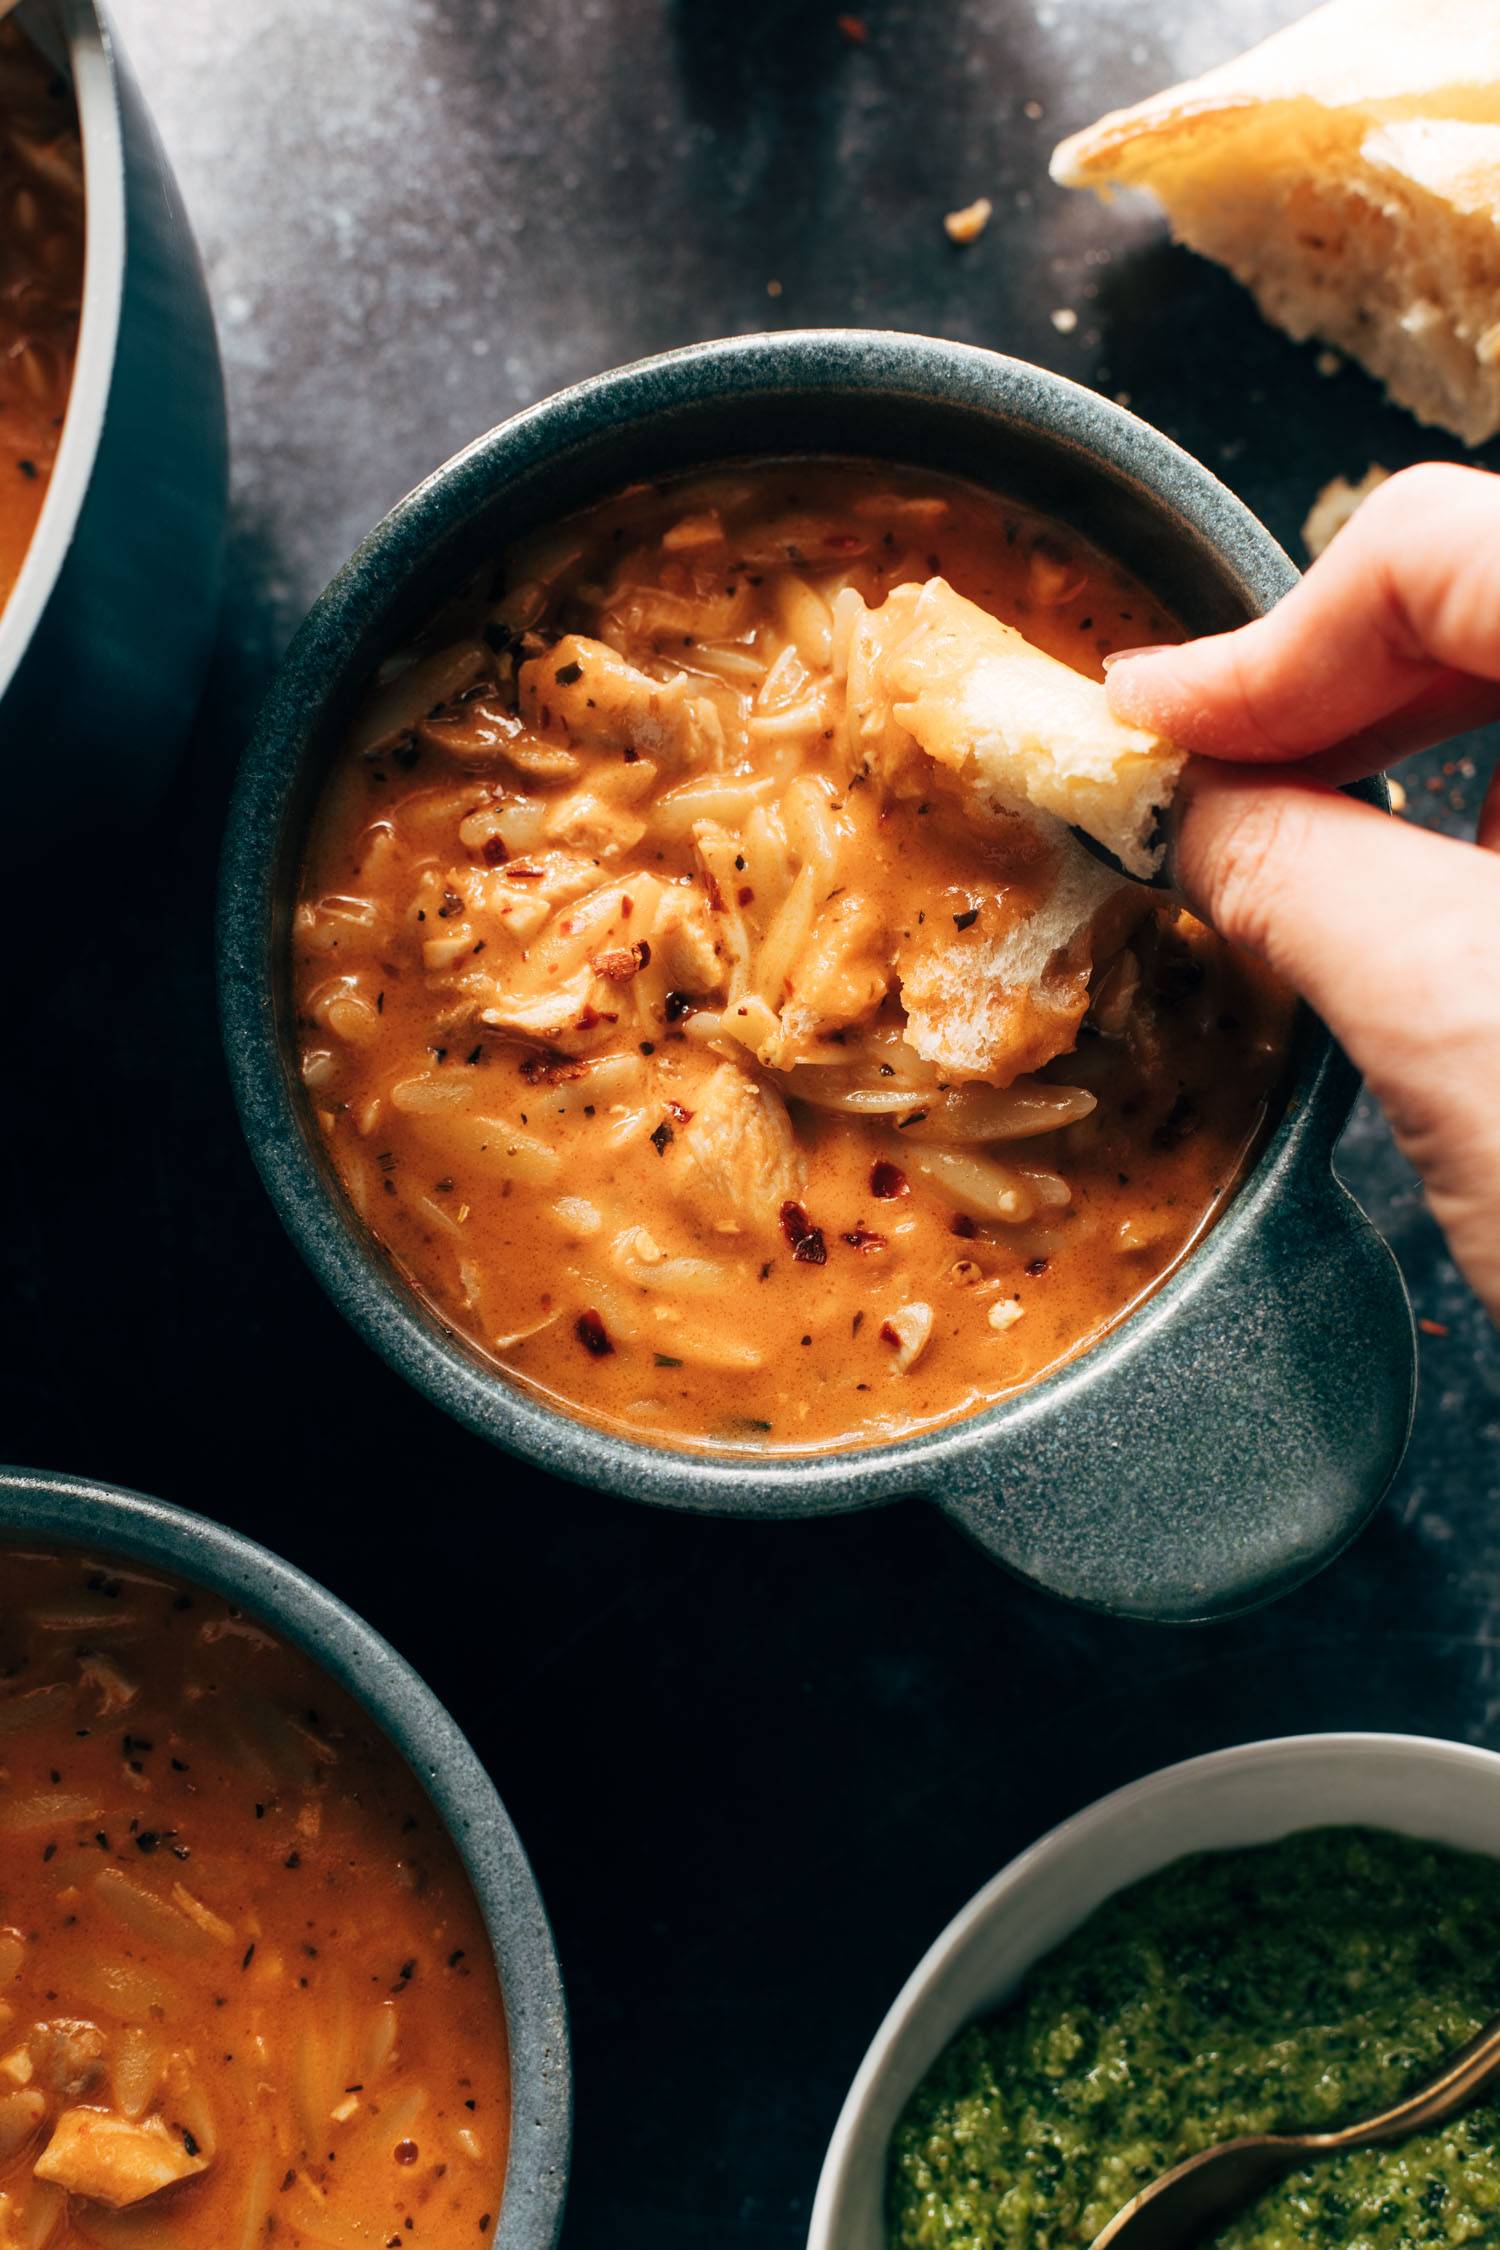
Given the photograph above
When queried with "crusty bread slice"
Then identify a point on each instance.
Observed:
(1348, 172)
(1021, 730)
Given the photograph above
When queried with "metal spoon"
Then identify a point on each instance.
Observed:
(1177, 2209)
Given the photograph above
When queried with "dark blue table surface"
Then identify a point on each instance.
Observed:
(756, 1766)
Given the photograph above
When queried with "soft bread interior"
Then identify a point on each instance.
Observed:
(1021, 731)
(1348, 173)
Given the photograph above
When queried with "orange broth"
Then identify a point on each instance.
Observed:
(41, 284)
(246, 1994)
(562, 827)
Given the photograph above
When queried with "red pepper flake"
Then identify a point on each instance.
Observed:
(452, 904)
(808, 1246)
(863, 1238)
(662, 1138)
(966, 920)
(406, 2152)
(887, 1180)
(745, 895)
(593, 1335)
(494, 853)
(843, 542)
(675, 1109)
(568, 675)
(889, 1336)
(912, 1117)
(519, 874)
(1432, 1327)
(1036, 1267)
(631, 757)
(963, 1226)
(715, 895)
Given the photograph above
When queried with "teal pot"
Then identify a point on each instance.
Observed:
(1225, 1441)
(104, 641)
(46, 1510)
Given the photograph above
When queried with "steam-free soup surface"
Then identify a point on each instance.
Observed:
(653, 1003)
(41, 281)
(246, 1996)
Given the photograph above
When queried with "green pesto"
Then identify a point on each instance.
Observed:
(1300, 1984)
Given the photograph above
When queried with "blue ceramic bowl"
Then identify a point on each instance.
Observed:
(48, 1510)
(1229, 1438)
(115, 606)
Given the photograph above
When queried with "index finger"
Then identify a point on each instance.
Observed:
(1391, 640)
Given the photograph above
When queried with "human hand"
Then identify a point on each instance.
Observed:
(1390, 644)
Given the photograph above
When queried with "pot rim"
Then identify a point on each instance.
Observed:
(88, 1513)
(92, 69)
(1092, 1826)
(1318, 1091)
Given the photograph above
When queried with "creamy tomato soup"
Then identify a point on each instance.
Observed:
(41, 282)
(246, 1995)
(691, 1043)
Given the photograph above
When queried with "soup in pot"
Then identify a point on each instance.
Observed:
(693, 1042)
(41, 283)
(246, 1994)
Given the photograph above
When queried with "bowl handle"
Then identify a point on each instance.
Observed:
(1246, 1432)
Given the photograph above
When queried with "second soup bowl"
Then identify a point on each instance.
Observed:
(1230, 1436)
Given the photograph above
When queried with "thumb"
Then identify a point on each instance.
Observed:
(1393, 935)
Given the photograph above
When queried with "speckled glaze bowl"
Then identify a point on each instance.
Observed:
(114, 609)
(46, 1510)
(1446, 1792)
(1225, 1441)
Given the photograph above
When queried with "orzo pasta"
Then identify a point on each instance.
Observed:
(696, 1046)
(246, 1995)
(41, 281)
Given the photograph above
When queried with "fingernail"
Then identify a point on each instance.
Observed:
(1156, 648)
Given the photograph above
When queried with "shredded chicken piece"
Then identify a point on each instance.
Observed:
(68, 2054)
(95, 2153)
(580, 689)
(740, 1149)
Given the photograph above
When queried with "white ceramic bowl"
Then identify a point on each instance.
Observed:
(1250, 1795)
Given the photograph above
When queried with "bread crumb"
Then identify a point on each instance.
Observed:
(969, 224)
(1327, 362)
(1006, 1313)
(1065, 320)
(1398, 793)
(1335, 504)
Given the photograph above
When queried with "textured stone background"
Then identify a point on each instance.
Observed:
(757, 1766)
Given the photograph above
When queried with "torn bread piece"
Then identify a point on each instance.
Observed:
(1008, 993)
(1337, 503)
(1020, 730)
(1348, 172)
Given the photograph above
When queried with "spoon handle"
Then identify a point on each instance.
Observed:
(1464, 2077)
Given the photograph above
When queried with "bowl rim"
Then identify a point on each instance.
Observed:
(93, 71)
(85, 1512)
(1092, 1824)
(922, 370)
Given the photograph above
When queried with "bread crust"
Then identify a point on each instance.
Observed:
(1347, 171)
(1385, 60)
